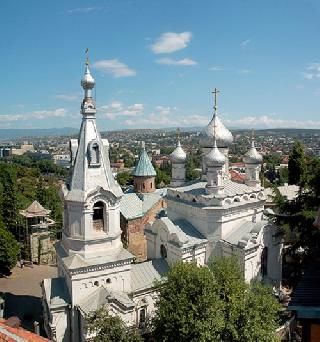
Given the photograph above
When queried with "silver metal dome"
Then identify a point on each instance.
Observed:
(215, 157)
(87, 81)
(216, 128)
(178, 155)
(252, 156)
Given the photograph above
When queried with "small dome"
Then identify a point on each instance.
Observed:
(215, 157)
(178, 155)
(252, 156)
(216, 127)
(87, 81)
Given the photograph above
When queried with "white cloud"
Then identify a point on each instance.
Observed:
(170, 42)
(116, 109)
(82, 10)
(39, 115)
(245, 43)
(66, 97)
(312, 71)
(244, 71)
(216, 68)
(114, 67)
(181, 62)
(270, 121)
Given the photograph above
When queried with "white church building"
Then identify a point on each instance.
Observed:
(209, 217)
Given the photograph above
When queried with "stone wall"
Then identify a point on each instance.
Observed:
(133, 231)
(42, 248)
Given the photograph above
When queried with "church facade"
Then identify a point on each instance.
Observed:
(209, 217)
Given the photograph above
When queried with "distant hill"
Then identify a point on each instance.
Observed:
(6, 134)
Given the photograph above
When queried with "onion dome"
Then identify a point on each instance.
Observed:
(178, 155)
(144, 168)
(252, 156)
(87, 81)
(215, 157)
(218, 130)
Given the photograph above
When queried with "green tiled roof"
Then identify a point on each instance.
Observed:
(144, 166)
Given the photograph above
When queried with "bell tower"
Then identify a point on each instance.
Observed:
(91, 200)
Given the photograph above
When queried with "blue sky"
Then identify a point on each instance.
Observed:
(156, 62)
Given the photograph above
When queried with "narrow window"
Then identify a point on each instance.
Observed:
(163, 251)
(95, 154)
(264, 262)
(98, 217)
(142, 317)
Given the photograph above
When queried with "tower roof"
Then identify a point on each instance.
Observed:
(216, 128)
(144, 168)
(35, 209)
(252, 156)
(215, 157)
(91, 169)
(178, 155)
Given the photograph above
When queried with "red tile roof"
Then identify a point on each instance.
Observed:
(237, 176)
(14, 334)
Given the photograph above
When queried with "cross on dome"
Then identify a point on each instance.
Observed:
(215, 92)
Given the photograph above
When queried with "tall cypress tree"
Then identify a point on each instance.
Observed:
(297, 164)
(9, 199)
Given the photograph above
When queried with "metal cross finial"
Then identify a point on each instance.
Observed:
(87, 56)
(252, 137)
(215, 92)
(178, 133)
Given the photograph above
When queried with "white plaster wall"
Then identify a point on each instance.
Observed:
(84, 284)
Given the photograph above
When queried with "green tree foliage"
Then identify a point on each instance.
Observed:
(296, 164)
(193, 162)
(250, 311)
(9, 249)
(124, 178)
(109, 328)
(9, 208)
(163, 176)
(213, 304)
(188, 308)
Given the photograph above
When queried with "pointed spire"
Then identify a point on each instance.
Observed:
(88, 106)
(144, 168)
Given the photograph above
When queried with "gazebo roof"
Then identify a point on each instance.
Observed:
(35, 209)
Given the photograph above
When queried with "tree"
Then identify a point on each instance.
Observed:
(213, 304)
(108, 328)
(9, 200)
(296, 164)
(124, 178)
(250, 311)
(9, 249)
(188, 308)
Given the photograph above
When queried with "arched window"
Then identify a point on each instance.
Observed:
(163, 251)
(96, 283)
(98, 216)
(94, 153)
(143, 186)
(151, 185)
(142, 317)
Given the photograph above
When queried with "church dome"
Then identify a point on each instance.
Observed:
(178, 155)
(215, 157)
(216, 127)
(87, 81)
(252, 156)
